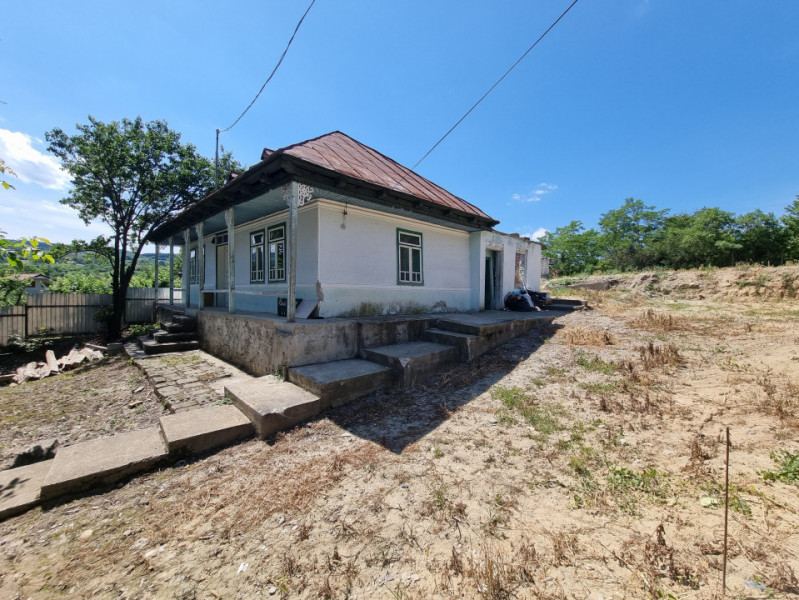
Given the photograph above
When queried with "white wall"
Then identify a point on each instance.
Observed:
(358, 263)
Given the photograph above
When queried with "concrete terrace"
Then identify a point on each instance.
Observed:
(359, 356)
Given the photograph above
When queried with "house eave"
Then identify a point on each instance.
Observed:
(279, 168)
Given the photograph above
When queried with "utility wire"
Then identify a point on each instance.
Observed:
(268, 79)
(491, 89)
(277, 66)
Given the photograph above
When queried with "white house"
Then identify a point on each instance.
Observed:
(347, 231)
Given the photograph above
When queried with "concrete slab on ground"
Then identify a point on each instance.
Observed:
(271, 404)
(81, 466)
(201, 429)
(342, 381)
(20, 488)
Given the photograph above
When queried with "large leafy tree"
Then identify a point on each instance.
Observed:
(572, 249)
(133, 176)
(628, 233)
(705, 237)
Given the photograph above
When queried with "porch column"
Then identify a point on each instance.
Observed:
(156, 279)
(231, 260)
(200, 263)
(186, 282)
(295, 194)
(171, 271)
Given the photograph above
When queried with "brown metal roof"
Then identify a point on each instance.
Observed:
(340, 153)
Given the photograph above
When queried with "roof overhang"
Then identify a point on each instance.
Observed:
(278, 168)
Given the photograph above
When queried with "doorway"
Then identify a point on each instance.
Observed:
(492, 274)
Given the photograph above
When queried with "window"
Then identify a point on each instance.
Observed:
(277, 252)
(193, 272)
(257, 256)
(409, 257)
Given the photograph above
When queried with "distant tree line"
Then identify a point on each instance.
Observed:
(638, 237)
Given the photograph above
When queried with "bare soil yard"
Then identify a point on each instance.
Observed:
(583, 461)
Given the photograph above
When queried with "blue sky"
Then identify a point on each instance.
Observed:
(682, 104)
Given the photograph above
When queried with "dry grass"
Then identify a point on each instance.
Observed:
(651, 320)
(582, 336)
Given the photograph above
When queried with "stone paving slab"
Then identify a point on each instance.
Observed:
(273, 405)
(198, 430)
(81, 466)
(20, 488)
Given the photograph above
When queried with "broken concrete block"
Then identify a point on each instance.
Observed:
(51, 361)
(90, 354)
(20, 487)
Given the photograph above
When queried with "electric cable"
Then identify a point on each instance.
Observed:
(491, 89)
(272, 74)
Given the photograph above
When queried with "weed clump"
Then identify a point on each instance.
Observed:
(788, 467)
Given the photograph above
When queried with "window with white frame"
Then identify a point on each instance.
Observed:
(409, 258)
(276, 238)
(257, 256)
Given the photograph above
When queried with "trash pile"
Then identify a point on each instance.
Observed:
(53, 366)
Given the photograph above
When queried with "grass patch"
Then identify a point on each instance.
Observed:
(541, 416)
(591, 362)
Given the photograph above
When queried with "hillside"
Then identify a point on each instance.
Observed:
(752, 282)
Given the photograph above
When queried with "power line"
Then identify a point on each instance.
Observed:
(272, 74)
(491, 89)
(268, 79)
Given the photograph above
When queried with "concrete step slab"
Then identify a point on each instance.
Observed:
(496, 327)
(413, 361)
(273, 405)
(153, 347)
(195, 431)
(567, 301)
(469, 346)
(178, 325)
(20, 488)
(164, 337)
(106, 460)
(341, 381)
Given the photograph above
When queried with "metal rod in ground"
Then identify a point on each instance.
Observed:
(726, 513)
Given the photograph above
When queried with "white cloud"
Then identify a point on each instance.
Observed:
(31, 165)
(541, 190)
(533, 235)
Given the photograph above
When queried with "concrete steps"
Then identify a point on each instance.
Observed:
(196, 431)
(413, 361)
(342, 381)
(273, 405)
(468, 345)
(177, 335)
(83, 466)
(151, 346)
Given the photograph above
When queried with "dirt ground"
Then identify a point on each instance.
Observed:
(90, 402)
(582, 461)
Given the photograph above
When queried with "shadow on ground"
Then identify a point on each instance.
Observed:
(397, 418)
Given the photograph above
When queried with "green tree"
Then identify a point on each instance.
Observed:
(762, 238)
(572, 249)
(790, 221)
(628, 233)
(706, 237)
(133, 176)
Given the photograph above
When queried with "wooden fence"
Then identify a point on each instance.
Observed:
(75, 313)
